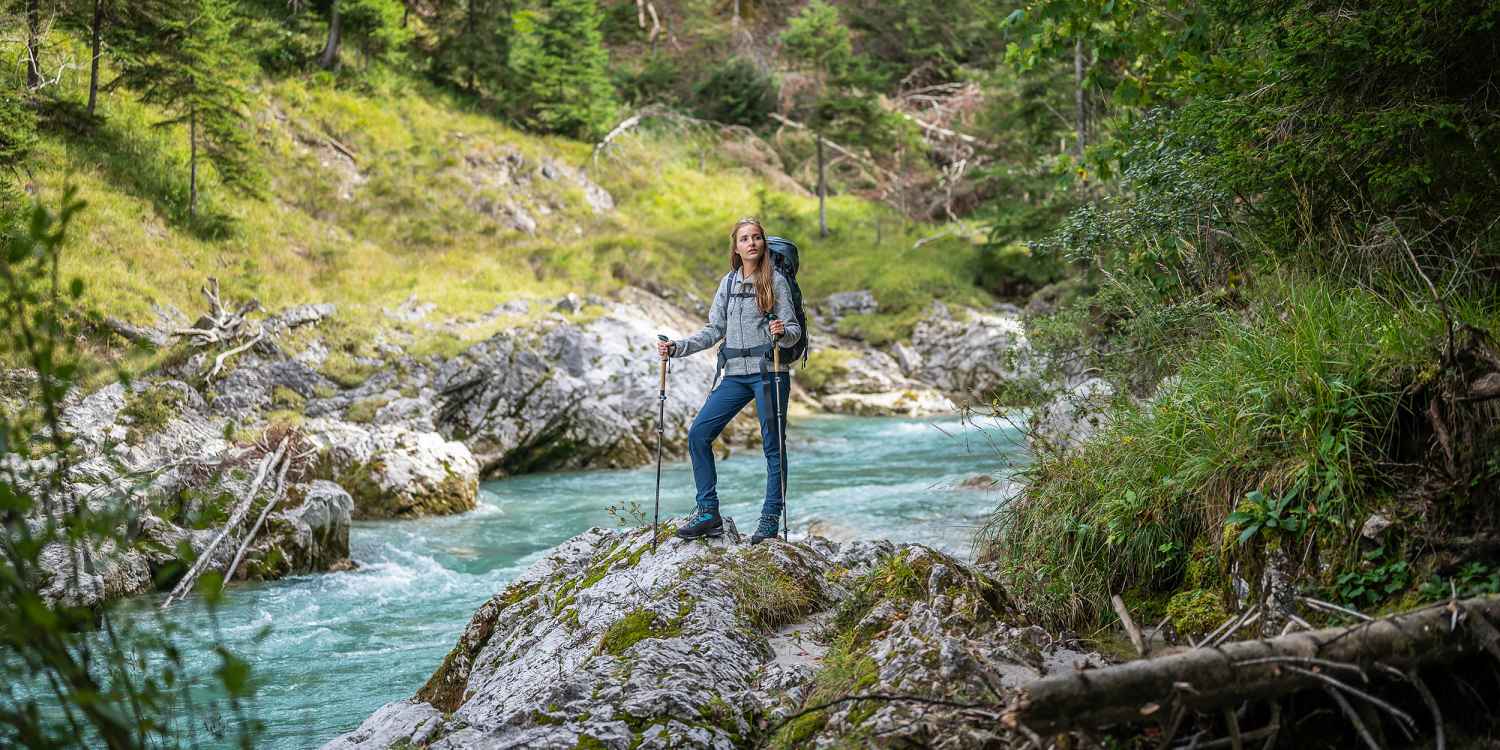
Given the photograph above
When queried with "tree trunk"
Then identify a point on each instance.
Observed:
(33, 43)
(405, 12)
(822, 191)
(330, 57)
(1206, 679)
(736, 13)
(94, 61)
(471, 86)
(1080, 98)
(193, 163)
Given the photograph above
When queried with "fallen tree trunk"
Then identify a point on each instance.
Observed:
(1205, 679)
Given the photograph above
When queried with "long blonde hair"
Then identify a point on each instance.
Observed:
(765, 292)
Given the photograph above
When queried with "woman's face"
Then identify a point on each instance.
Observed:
(750, 243)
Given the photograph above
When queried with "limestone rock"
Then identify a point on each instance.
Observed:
(393, 471)
(563, 395)
(850, 303)
(972, 354)
(603, 642)
(1072, 417)
(905, 403)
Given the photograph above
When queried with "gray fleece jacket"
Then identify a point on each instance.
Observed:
(735, 318)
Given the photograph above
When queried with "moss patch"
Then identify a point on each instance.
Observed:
(284, 398)
(1196, 612)
(150, 410)
(364, 411)
(823, 366)
(634, 627)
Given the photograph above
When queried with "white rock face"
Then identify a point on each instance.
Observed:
(1072, 417)
(164, 478)
(605, 642)
(972, 357)
(561, 395)
(393, 471)
(907, 403)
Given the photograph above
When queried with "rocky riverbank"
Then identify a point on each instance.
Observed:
(606, 642)
(563, 384)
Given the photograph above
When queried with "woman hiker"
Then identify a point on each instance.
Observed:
(741, 315)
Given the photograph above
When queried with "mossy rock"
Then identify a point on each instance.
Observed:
(286, 399)
(636, 626)
(364, 411)
(149, 410)
(1196, 612)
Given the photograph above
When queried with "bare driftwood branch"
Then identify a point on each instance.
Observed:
(1128, 622)
(227, 353)
(238, 515)
(1250, 670)
(271, 502)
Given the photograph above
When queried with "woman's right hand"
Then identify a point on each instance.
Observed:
(664, 348)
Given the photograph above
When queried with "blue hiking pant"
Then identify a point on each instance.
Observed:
(723, 403)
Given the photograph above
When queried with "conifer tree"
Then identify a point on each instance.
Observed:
(473, 43)
(179, 56)
(559, 65)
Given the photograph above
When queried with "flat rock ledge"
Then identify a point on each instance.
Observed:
(605, 643)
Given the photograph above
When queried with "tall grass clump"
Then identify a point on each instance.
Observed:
(1294, 401)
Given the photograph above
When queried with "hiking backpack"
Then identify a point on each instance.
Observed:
(784, 256)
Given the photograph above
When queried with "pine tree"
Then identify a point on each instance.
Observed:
(473, 43)
(559, 64)
(179, 56)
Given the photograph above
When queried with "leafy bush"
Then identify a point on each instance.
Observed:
(1296, 401)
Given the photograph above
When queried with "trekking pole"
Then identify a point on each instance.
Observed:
(780, 426)
(661, 415)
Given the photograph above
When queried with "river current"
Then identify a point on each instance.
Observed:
(327, 650)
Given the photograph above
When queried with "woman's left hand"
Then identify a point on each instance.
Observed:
(777, 328)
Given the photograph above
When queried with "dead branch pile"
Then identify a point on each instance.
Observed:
(222, 327)
(283, 456)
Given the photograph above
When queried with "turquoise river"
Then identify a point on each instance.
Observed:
(327, 650)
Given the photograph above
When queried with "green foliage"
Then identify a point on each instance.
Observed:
(559, 65)
(1381, 576)
(179, 55)
(1296, 399)
(17, 130)
(375, 27)
(1260, 513)
(1470, 580)
(736, 92)
(79, 675)
(818, 40)
(473, 44)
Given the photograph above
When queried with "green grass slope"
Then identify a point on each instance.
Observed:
(391, 188)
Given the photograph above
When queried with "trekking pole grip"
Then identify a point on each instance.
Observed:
(663, 369)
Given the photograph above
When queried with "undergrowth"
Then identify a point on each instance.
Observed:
(1287, 417)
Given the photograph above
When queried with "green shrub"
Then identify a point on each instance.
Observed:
(1295, 401)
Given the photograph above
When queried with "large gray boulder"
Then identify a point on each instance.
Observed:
(971, 353)
(563, 395)
(1071, 417)
(708, 644)
(393, 471)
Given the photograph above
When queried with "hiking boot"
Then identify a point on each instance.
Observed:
(769, 528)
(703, 523)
